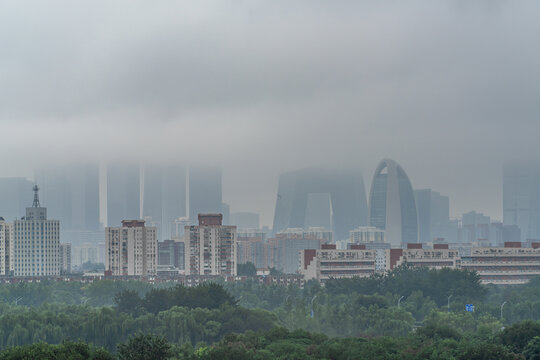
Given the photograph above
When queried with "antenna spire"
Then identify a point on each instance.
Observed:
(36, 197)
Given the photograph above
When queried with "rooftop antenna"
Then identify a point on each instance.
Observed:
(36, 197)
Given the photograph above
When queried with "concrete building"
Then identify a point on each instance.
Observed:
(392, 206)
(86, 252)
(334, 199)
(511, 264)
(367, 234)
(283, 249)
(64, 258)
(164, 197)
(437, 257)
(71, 194)
(14, 197)
(171, 253)
(6, 248)
(521, 198)
(36, 242)
(131, 249)
(330, 263)
(210, 247)
(204, 191)
(433, 215)
(475, 227)
(252, 247)
(123, 193)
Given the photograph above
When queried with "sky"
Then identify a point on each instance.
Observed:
(448, 89)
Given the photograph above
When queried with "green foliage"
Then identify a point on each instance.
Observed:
(247, 269)
(517, 336)
(145, 347)
(532, 350)
(66, 351)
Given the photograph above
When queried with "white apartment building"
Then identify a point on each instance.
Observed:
(367, 234)
(438, 257)
(6, 247)
(329, 262)
(36, 242)
(131, 249)
(210, 247)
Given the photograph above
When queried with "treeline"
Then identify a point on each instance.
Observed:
(435, 340)
(206, 295)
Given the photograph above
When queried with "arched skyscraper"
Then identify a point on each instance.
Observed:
(392, 206)
(319, 197)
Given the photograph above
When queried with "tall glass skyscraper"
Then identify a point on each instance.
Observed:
(392, 206)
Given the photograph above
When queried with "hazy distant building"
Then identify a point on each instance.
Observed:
(335, 200)
(433, 215)
(164, 196)
(204, 191)
(367, 234)
(475, 227)
(392, 206)
(210, 247)
(64, 258)
(71, 193)
(252, 247)
(6, 247)
(123, 193)
(245, 220)
(171, 253)
(14, 197)
(521, 198)
(36, 242)
(131, 249)
(86, 252)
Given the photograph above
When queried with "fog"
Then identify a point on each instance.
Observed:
(449, 89)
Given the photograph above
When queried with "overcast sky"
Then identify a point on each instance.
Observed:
(449, 89)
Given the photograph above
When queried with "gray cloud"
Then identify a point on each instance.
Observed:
(448, 89)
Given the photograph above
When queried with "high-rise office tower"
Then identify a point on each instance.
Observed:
(71, 194)
(476, 227)
(392, 206)
(164, 197)
(36, 242)
(521, 198)
(204, 191)
(123, 193)
(433, 215)
(14, 197)
(6, 247)
(131, 249)
(210, 247)
(245, 220)
(321, 198)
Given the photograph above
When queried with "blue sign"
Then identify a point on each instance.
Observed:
(469, 307)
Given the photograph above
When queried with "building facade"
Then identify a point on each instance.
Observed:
(437, 257)
(131, 249)
(392, 205)
(171, 253)
(367, 234)
(331, 263)
(6, 248)
(211, 247)
(64, 258)
(36, 242)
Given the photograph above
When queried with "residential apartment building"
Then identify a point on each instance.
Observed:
(366, 234)
(329, 262)
(510, 264)
(131, 249)
(6, 247)
(65, 258)
(437, 257)
(210, 247)
(36, 242)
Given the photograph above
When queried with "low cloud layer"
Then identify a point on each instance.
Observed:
(448, 89)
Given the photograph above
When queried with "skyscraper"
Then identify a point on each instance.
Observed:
(521, 198)
(123, 193)
(36, 242)
(164, 196)
(14, 197)
(321, 197)
(392, 206)
(433, 215)
(72, 195)
(204, 191)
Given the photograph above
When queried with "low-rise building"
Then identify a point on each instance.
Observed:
(329, 262)
(437, 257)
(510, 264)
(367, 234)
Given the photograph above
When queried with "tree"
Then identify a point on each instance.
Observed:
(144, 347)
(247, 269)
(532, 350)
(128, 301)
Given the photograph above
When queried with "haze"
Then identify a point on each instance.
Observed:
(449, 89)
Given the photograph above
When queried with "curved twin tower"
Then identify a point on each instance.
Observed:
(337, 201)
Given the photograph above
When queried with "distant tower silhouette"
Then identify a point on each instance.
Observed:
(36, 197)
